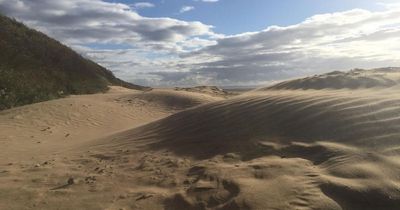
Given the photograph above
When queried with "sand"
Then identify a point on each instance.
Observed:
(287, 147)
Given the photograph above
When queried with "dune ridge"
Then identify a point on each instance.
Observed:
(353, 79)
(362, 118)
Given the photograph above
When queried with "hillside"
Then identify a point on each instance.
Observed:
(34, 68)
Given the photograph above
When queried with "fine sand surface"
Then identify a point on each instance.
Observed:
(289, 146)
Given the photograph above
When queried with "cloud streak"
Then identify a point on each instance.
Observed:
(186, 9)
(141, 5)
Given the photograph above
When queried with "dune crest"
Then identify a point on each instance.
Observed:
(354, 79)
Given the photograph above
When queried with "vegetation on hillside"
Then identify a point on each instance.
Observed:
(34, 68)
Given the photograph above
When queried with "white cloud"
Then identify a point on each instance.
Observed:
(79, 22)
(336, 41)
(186, 9)
(141, 5)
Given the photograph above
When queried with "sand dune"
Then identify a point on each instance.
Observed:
(330, 149)
(211, 90)
(354, 79)
(173, 99)
(51, 125)
(37, 170)
(272, 148)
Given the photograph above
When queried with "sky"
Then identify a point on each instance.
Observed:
(220, 42)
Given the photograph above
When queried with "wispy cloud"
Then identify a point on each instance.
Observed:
(186, 9)
(141, 5)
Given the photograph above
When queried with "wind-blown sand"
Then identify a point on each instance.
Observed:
(282, 147)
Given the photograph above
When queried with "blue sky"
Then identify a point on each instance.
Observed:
(238, 16)
(225, 42)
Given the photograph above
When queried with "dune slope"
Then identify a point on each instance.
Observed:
(39, 165)
(69, 121)
(314, 149)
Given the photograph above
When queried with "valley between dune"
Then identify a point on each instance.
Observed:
(182, 149)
